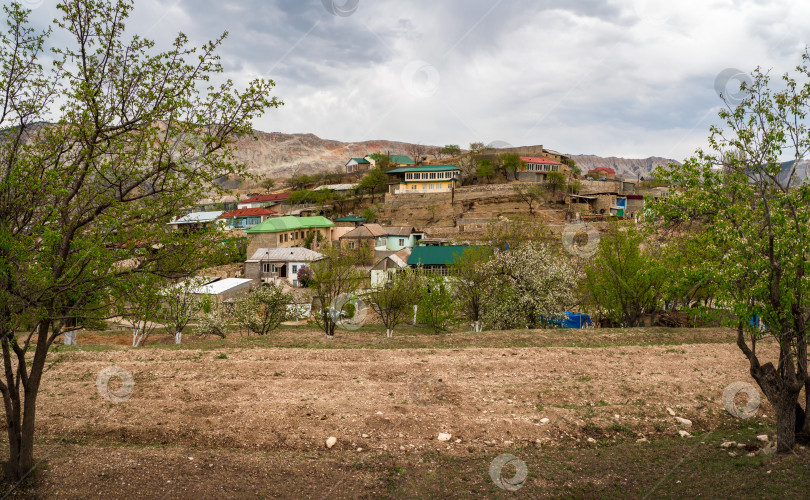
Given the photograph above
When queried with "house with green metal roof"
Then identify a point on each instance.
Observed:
(349, 220)
(436, 259)
(424, 179)
(289, 231)
(357, 165)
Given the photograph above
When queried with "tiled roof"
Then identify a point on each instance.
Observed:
(539, 159)
(292, 254)
(247, 212)
(602, 169)
(290, 223)
(267, 197)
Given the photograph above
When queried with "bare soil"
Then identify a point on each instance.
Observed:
(246, 420)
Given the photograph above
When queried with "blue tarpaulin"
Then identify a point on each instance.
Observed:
(572, 320)
(576, 320)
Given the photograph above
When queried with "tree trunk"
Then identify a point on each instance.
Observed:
(178, 337)
(806, 423)
(785, 425)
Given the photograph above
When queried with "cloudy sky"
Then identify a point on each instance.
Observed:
(631, 78)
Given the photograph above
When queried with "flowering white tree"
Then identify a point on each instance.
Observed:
(264, 309)
(527, 286)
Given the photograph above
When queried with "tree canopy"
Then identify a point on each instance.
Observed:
(87, 187)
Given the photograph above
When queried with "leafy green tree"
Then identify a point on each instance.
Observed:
(624, 283)
(530, 194)
(555, 184)
(268, 184)
(92, 181)
(471, 276)
(485, 169)
(136, 301)
(263, 309)
(332, 276)
(436, 306)
(375, 181)
(468, 163)
(754, 211)
(301, 182)
(511, 163)
(180, 304)
(451, 150)
(382, 162)
(369, 214)
(394, 300)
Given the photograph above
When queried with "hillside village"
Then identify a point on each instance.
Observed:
(397, 212)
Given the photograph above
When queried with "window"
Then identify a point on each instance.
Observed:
(433, 175)
(295, 268)
(351, 244)
(266, 267)
(413, 187)
(402, 242)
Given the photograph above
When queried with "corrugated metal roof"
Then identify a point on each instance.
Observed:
(290, 223)
(297, 254)
(362, 161)
(436, 256)
(350, 218)
(222, 286)
(197, 217)
(337, 187)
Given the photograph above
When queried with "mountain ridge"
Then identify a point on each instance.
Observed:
(279, 154)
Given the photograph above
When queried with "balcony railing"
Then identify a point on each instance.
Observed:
(422, 191)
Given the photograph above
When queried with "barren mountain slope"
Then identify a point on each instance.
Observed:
(624, 167)
(285, 155)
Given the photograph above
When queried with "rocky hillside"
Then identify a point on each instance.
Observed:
(285, 155)
(624, 167)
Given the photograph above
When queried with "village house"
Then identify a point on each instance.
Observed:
(424, 179)
(601, 173)
(269, 265)
(536, 168)
(382, 272)
(357, 165)
(245, 218)
(263, 200)
(436, 259)
(382, 238)
(349, 220)
(196, 221)
(289, 231)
